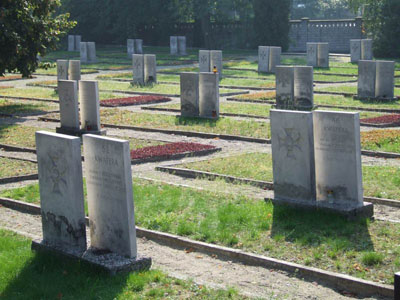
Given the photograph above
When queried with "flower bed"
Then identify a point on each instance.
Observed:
(172, 150)
(259, 96)
(138, 100)
(10, 77)
(383, 120)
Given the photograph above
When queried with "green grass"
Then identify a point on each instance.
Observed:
(12, 167)
(387, 140)
(17, 135)
(347, 89)
(318, 239)
(25, 274)
(16, 107)
(53, 71)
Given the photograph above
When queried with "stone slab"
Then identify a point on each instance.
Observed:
(150, 68)
(90, 105)
(209, 95)
(292, 142)
(397, 286)
(61, 190)
(355, 50)
(62, 69)
(138, 69)
(384, 88)
(74, 70)
(78, 40)
(323, 55)
(284, 87)
(263, 59)
(182, 45)
(204, 61)
(91, 50)
(110, 195)
(366, 79)
(83, 52)
(216, 61)
(303, 87)
(130, 47)
(138, 46)
(189, 82)
(71, 43)
(312, 54)
(173, 45)
(69, 106)
(275, 58)
(366, 49)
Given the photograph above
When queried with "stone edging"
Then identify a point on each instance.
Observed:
(386, 125)
(28, 98)
(17, 149)
(19, 178)
(334, 280)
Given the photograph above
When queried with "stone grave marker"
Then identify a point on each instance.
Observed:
(138, 69)
(275, 58)
(355, 50)
(182, 45)
(78, 40)
(189, 94)
(173, 44)
(69, 107)
(139, 46)
(91, 52)
(303, 87)
(366, 49)
(263, 58)
(216, 61)
(74, 70)
(84, 52)
(62, 69)
(71, 43)
(366, 79)
(284, 87)
(312, 54)
(150, 68)
(90, 106)
(204, 61)
(384, 88)
(323, 55)
(209, 95)
(130, 47)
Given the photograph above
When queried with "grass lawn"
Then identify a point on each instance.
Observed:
(347, 89)
(12, 167)
(53, 71)
(23, 107)
(25, 274)
(379, 181)
(387, 140)
(362, 248)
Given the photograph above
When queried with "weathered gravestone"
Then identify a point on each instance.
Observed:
(91, 52)
(312, 54)
(74, 70)
(216, 62)
(209, 95)
(204, 61)
(139, 46)
(303, 87)
(90, 107)
(173, 44)
(293, 157)
(284, 87)
(366, 78)
(130, 47)
(189, 94)
(61, 192)
(366, 49)
(323, 55)
(71, 43)
(263, 58)
(69, 107)
(182, 45)
(138, 69)
(62, 69)
(83, 52)
(150, 68)
(384, 88)
(78, 40)
(338, 170)
(355, 50)
(275, 58)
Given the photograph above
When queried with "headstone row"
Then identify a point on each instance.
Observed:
(317, 161)
(88, 52)
(74, 42)
(134, 46)
(199, 95)
(376, 79)
(68, 69)
(211, 61)
(144, 68)
(109, 197)
(318, 55)
(294, 87)
(268, 58)
(177, 45)
(361, 50)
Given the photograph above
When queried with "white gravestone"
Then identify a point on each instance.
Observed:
(69, 107)
(323, 55)
(90, 106)
(275, 58)
(71, 43)
(139, 46)
(182, 45)
(189, 94)
(130, 47)
(74, 70)
(303, 87)
(312, 54)
(263, 59)
(84, 52)
(61, 191)
(366, 49)
(284, 87)
(355, 50)
(110, 195)
(216, 61)
(366, 79)
(209, 95)
(384, 88)
(173, 44)
(62, 69)
(293, 156)
(91, 52)
(150, 68)
(78, 40)
(138, 69)
(204, 61)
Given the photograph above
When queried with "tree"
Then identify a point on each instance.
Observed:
(29, 28)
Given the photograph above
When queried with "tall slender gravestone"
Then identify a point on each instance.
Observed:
(62, 69)
(84, 52)
(216, 61)
(182, 45)
(355, 50)
(303, 87)
(91, 52)
(150, 68)
(384, 88)
(74, 70)
(284, 87)
(366, 78)
(71, 43)
(138, 69)
(61, 191)
(323, 55)
(90, 106)
(78, 40)
(338, 170)
(204, 61)
(209, 95)
(366, 49)
(69, 111)
(263, 58)
(110, 195)
(130, 47)
(293, 157)
(312, 54)
(189, 94)
(139, 46)
(275, 58)
(173, 44)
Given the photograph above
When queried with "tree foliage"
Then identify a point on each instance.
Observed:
(321, 9)
(29, 28)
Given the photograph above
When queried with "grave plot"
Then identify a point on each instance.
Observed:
(22, 108)
(11, 169)
(138, 100)
(365, 249)
(387, 140)
(383, 121)
(350, 90)
(53, 71)
(11, 77)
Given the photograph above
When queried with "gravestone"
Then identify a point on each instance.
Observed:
(182, 45)
(189, 94)
(130, 46)
(366, 79)
(139, 46)
(384, 88)
(275, 58)
(293, 157)
(74, 70)
(61, 191)
(284, 87)
(355, 50)
(91, 52)
(263, 58)
(216, 61)
(338, 170)
(366, 49)
(84, 52)
(209, 95)
(303, 88)
(110, 195)
(71, 43)
(397, 286)
(150, 68)
(323, 55)
(138, 69)
(204, 61)
(173, 44)
(312, 54)
(69, 111)
(62, 69)
(90, 106)
(78, 40)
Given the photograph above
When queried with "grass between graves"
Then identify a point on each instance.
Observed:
(347, 89)
(23, 107)
(379, 181)
(363, 248)
(387, 140)
(13, 167)
(53, 71)
(25, 274)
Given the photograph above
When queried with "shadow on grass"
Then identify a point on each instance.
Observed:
(22, 109)
(186, 121)
(316, 228)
